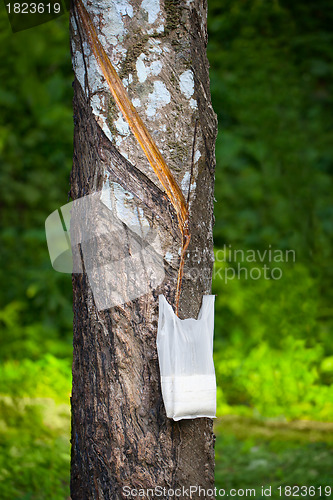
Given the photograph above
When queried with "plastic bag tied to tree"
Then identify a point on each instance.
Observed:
(185, 353)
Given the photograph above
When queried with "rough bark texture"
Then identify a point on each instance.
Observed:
(120, 433)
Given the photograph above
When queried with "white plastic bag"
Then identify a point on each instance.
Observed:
(185, 353)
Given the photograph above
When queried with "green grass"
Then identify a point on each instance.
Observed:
(253, 453)
(34, 449)
(250, 452)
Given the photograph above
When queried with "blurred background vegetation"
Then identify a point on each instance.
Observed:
(271, 82)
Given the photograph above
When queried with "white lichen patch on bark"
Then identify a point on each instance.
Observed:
(186, 83)
(169, 257)
(186, 187)
(98, 103)
(197, 156)
(152, 7)
(122, 126)
(74, 25)
(144, 71)
(193, 104)
(80, 71)
(136, 102)
(158, 29)
(111, 11)
(157, 99)
(122, 205)
(186, 182)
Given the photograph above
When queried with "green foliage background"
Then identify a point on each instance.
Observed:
(271, 81)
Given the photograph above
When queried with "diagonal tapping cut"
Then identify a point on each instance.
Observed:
(144, 138)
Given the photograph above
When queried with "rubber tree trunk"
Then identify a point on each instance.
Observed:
(120, 433)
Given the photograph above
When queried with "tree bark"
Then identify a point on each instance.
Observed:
(120, 433)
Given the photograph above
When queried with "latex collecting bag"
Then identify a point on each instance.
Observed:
(185, 353)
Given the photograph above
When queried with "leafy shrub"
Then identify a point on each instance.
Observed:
(269, 345)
